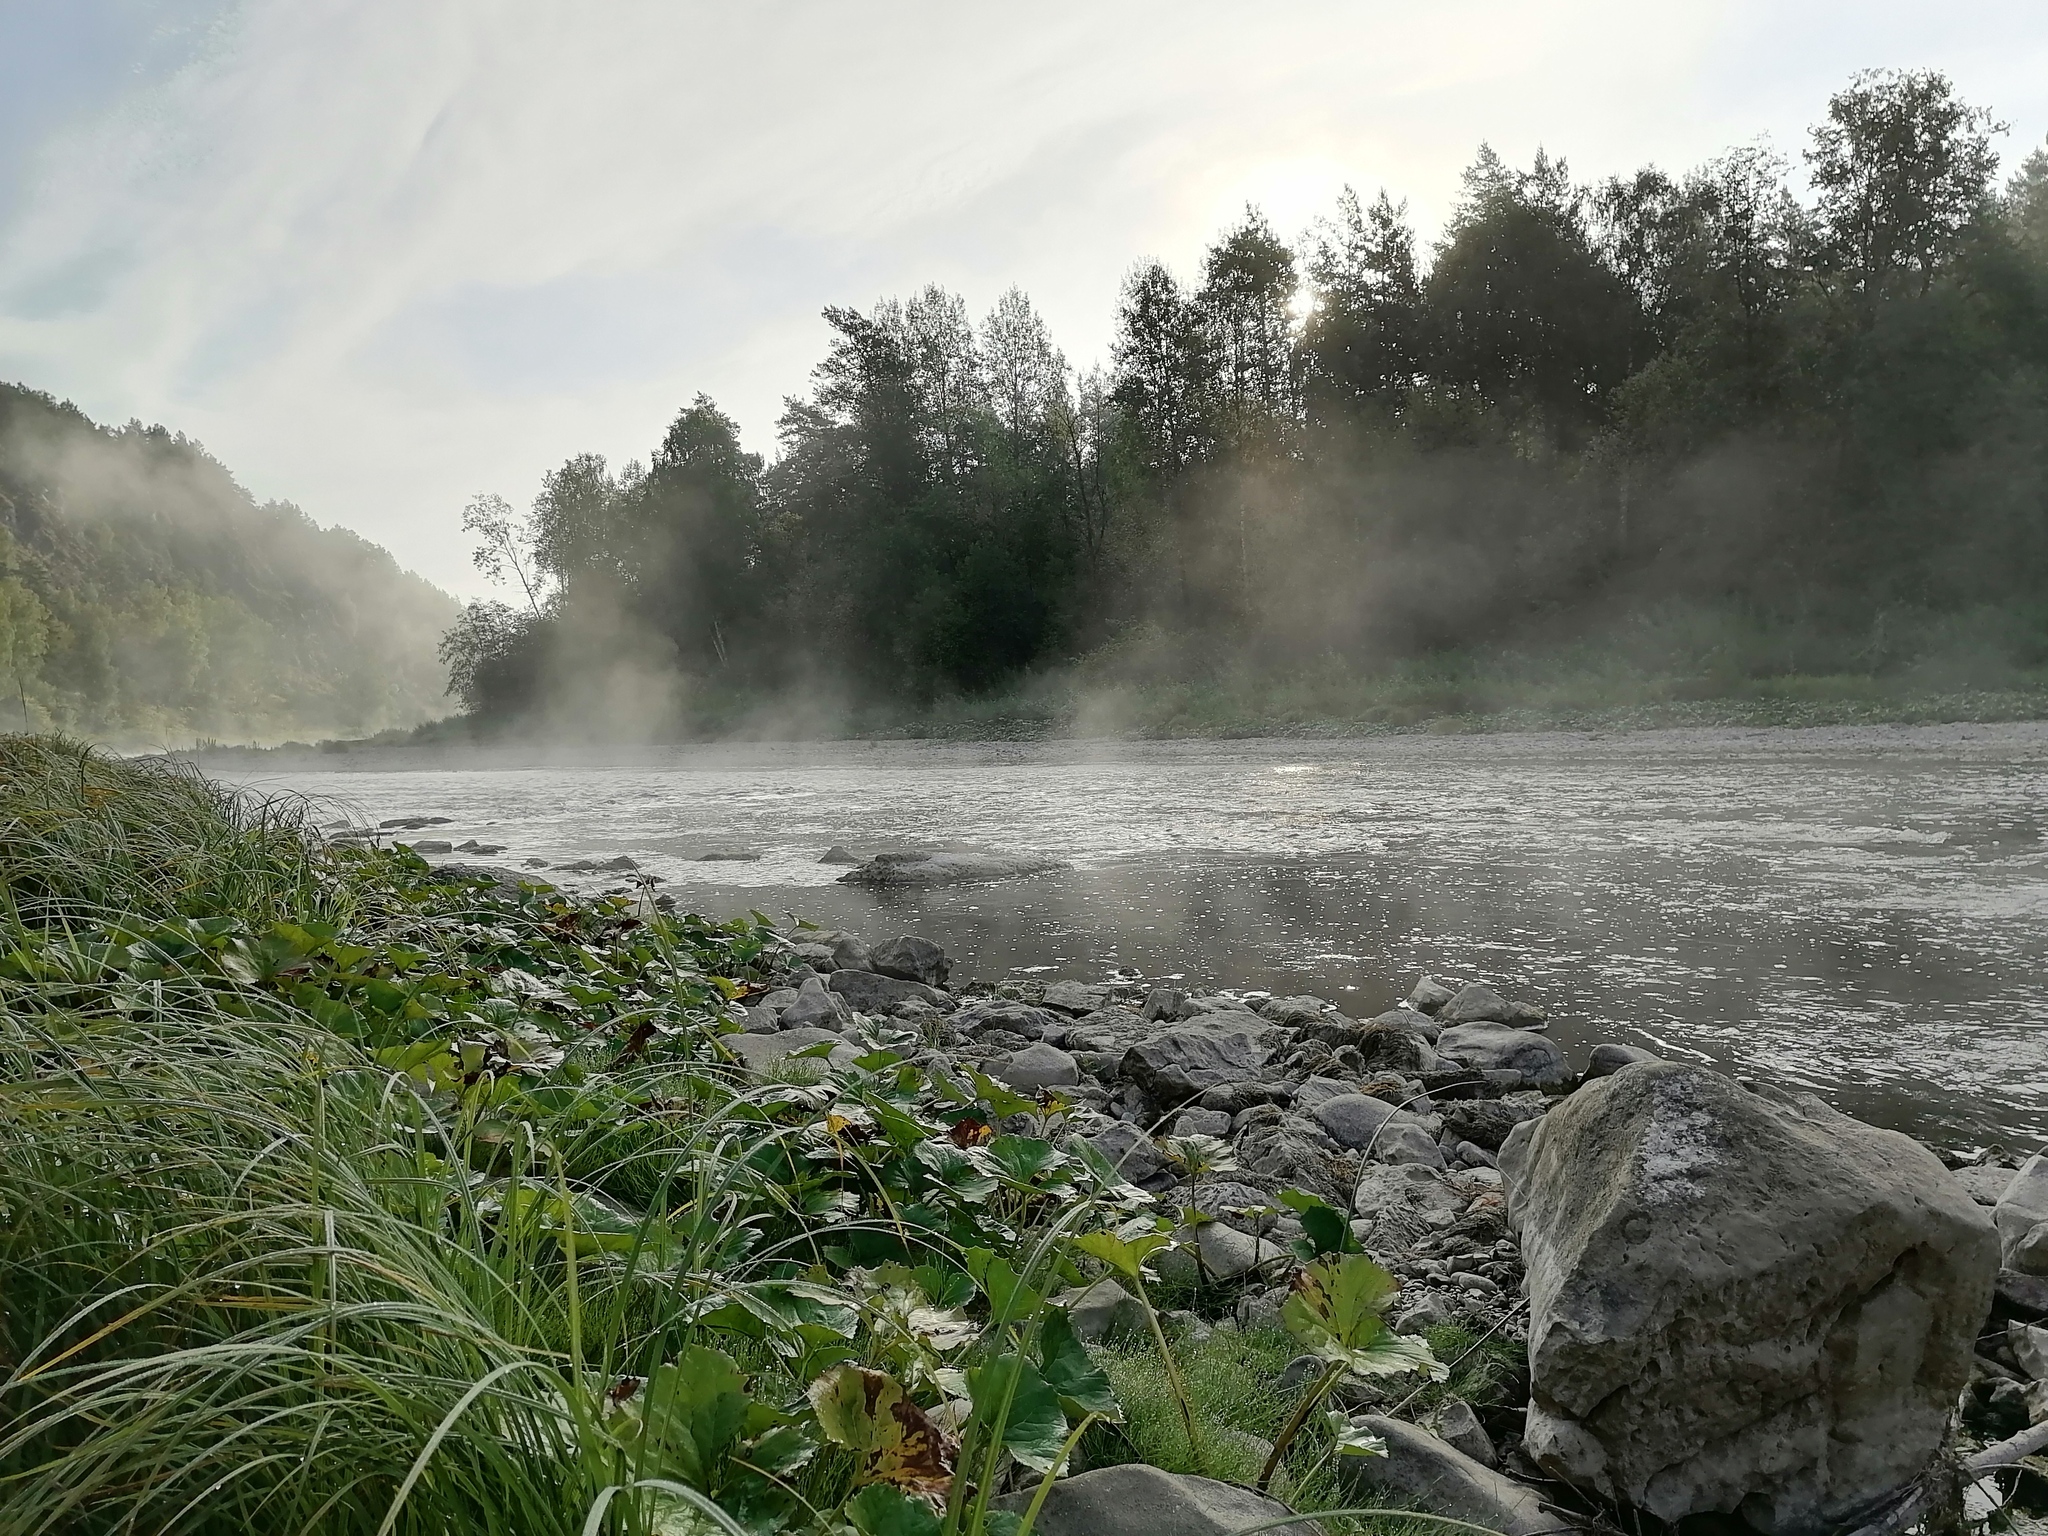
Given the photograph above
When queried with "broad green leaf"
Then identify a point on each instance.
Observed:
(1335, 1307)
(1126, 1256)
(1009, 1390)
(1328, 1230)
(693, 1408)
(1352, 1439)
(999, 1099)
(1071, 1372)
(880, 1510)
(1009, 1298)
(1023, 1159)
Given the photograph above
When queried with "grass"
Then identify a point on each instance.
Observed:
(337, 1197)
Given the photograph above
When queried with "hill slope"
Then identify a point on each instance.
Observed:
(145, 597)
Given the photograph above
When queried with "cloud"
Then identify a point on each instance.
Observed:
(381, 256)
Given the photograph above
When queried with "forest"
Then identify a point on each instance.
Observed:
(147, 599)
(1768, 417)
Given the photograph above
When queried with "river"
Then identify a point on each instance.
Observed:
(1860, 911)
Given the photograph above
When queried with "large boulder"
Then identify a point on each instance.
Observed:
(2022, 1217)
(1035, 1067)
(1740, 1300)
(1178, 1065)
(911, 959)
(1359, 1123)
(1422, 1471)
(1017, 1018)
(1137, 1500)
(1500, 1048)
(900, 871)
(1476, 1003)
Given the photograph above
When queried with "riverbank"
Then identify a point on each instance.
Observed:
(349, 1193)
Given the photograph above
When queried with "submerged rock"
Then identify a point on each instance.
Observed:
(922, 869)
(837, 854)
(1740, 1300)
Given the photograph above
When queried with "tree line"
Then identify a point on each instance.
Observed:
(1811, 393)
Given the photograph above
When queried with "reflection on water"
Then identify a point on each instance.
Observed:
(1860, 912)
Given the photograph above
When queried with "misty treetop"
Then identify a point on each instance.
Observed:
(1659, 392)
(146, 598)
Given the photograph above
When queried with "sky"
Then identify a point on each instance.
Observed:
(382, 256)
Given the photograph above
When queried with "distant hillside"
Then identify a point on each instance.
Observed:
(145, 597)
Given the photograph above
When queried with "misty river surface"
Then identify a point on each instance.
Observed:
(1861, 911)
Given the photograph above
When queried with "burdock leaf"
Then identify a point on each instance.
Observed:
(1009, 1389)
(1071, 1372)
(869, 1413)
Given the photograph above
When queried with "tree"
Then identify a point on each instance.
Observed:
(1244, 311)
(1026, 374)
(507, 545)
(1902, 168)
(697, 532)
(1363, 336)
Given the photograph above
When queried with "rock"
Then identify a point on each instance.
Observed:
(1293, 1012)
(1407, 1018)
(1242, 1206)
(428, 845)
(1235, 1008)
(1395, 1049)
(1228, 1254)
(617, 865)
(1178, 1065)
(847, 951)
(413, 823)
(1017, 1018)
(1318, 1089)
(1475, 1004)
(1428, 1313)
(1201, 1122)
(1133, 1154)
(1103, 1310)
(2024, 1293)
(1459, 1428)
(1401, 1201)
(1424, 1472)
(1299, 1372)
(1137, 1500)
(1035, 1067)
(728, 856)
(1500, 1048)
(1361, 1124)
(816, 1010)
(2022, 1217)
(1076, 997)
(2029, 1347)
(1163, 1003)
(1476, 1283)
(761, 1051)
(868, 992)
(1610, 1058)
(1430, 995)
(1295, 1152)
(1987, 1185)
(1739, 1298)
(917, 870)
(1486, 1122)
(838, 854)
(912, 959)
(503, 882)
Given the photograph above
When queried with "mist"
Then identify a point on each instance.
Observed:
(147, 600)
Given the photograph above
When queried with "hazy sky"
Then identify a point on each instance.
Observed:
(380, 255)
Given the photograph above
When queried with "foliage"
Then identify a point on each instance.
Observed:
(145, 596)
(1586, 405)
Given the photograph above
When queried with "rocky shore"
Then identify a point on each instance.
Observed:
(1733, 1300)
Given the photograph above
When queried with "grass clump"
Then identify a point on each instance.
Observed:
(337, 1195)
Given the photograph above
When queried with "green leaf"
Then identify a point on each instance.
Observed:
(1352, 1440)
(957, 1171)
(1335, 1307)
(1126, 1256)
(870, 1414)
(694, 1408)
(1023, 1159)
(1071, 1371)
(1328, 1230)
(943, 1285)
(1009, 1298)
(1000, 1100)
(880, 1510)
(1009, 1389)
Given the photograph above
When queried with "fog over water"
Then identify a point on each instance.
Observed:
(1864, 912)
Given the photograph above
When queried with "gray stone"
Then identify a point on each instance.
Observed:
(1318, 1089)
(1294, 1011)
(1228, 1254)
(1176, 1066)
(2022, 1217)
(869, 992)
(1430, 995)
(1610, 1058)
(1035, 1067)
(1076, 997)
(1393, 1048)
(1133, 1154)
(1500, 1048)
(817, 1010)
(1409, 1019)
(1201, 1122)
(1300, 1371)
(2024, 1293)
(1358, 1123)
(1428, 1313)
(1459, 1428)
(1138, 1500)
(897, 871)
(838, 854)
(1163, 1003)
(2029, 1346)
(1740, 1299)
(1399, 1202)
(1988, 1184)
(848, 953)
(1423, 1471)
(1018, 1018)
(1102, 1310)
(1486, 1122)
(910, 958)
(1476, 1003)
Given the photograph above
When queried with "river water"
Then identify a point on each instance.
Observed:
(1860, 911)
